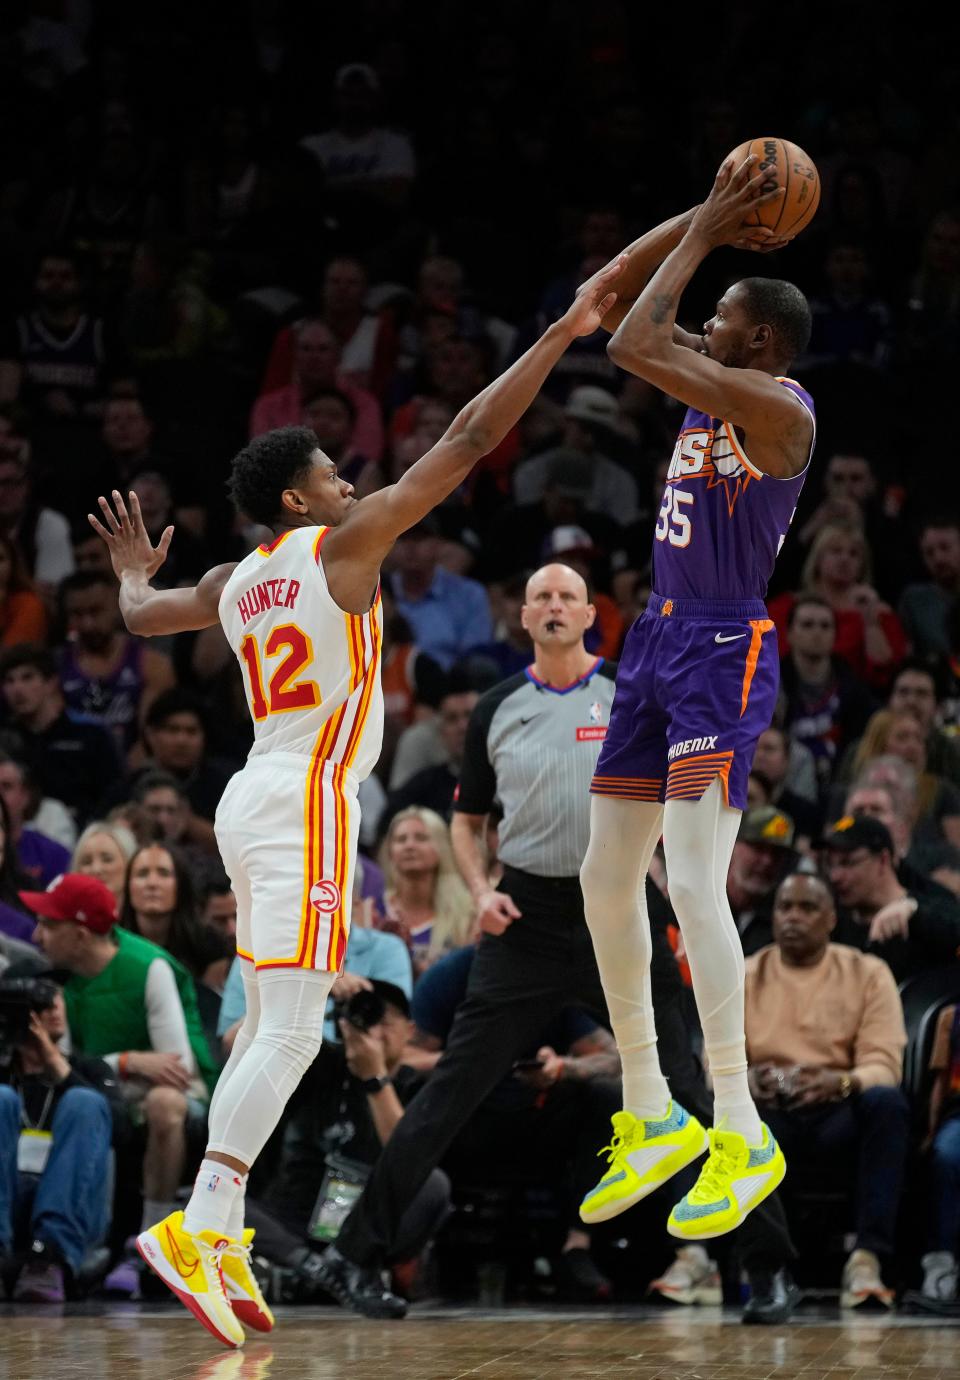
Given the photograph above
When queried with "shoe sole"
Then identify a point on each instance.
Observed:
(881, 1296)
(688, 1298)
(775, 1182)
(188, 1300)
(614, 1209)
(251, 1314)
(784, 1314)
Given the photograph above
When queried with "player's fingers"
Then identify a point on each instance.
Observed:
(109, 514)
(121, 508)
(742, 173)
(613, 269)
(99, 528)
(163, 545)
(608, 301)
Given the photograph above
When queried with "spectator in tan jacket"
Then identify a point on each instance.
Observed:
(825, 1041)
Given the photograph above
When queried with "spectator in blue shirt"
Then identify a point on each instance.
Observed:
(448, 614)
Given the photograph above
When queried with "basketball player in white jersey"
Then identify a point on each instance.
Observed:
(302, 614)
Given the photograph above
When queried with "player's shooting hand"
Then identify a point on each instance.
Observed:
(496, 912)
(594, 299)
(760, 239)
(163, 1070)
(130, 547)
(736, 192)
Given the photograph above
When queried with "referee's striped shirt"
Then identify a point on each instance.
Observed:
(534, 748)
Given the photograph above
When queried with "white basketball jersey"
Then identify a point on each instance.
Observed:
(312, 672)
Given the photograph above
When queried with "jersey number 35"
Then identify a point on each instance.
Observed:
(673, 524)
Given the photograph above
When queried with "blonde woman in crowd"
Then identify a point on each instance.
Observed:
(426, 901)
(839, 568)
(103, 851)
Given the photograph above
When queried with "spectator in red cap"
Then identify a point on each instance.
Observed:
(132, 1004)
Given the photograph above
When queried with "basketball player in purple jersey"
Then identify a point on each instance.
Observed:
(697, 685)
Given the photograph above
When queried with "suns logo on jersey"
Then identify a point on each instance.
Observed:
(710, 455)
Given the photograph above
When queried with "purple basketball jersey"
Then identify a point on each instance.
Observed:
(722, 521)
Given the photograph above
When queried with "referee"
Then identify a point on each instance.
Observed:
(532, 744)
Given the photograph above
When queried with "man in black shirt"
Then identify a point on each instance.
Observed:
(56, 1128)
(72, 761)
(910, 930)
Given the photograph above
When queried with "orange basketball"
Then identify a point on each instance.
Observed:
(787, 166)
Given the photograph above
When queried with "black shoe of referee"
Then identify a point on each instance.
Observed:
(357, 1286)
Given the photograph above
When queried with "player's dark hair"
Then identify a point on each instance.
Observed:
(783, 307)
(273, 462)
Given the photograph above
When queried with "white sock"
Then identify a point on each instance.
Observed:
(154, 1211)
(217, 1189)
(623, 835)
(235, 1224)
(698, 839)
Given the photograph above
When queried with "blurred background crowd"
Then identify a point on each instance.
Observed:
(219, 219)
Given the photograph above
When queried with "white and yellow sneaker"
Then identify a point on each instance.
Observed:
(643, 1155)
(189, 1265)
(735, 1178)
(241, 1285)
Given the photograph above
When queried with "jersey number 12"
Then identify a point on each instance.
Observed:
(284, 693)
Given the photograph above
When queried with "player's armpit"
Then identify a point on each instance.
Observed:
(151, 612)
(746, 398)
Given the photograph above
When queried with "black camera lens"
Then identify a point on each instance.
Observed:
(364, 1009)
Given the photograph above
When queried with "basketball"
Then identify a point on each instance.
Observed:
(787, 166)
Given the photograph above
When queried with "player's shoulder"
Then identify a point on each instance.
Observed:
(797, 390)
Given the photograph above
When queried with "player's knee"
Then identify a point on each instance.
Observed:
(164, 1109)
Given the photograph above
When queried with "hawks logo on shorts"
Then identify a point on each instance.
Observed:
(325, 897)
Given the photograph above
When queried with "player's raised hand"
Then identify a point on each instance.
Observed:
(594, 299)
(130, 547)
(736, 192)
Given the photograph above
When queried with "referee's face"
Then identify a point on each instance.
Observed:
(557, 611)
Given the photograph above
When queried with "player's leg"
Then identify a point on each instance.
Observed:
(745, 1164)
(623, 835)
(698, 841)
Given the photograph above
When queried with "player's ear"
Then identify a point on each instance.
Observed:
(292, 501)
(761, 337)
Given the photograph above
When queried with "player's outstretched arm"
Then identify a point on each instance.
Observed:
(147, 611)
(378, 519)
(648, 342)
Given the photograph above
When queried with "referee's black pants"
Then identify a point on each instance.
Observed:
(519, 982)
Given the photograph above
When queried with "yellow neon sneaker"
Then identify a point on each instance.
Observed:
(734, 1179)
(190, 1266)
(241, 1285)
(643, 1154)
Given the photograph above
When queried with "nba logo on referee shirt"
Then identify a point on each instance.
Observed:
(325, 897)
(597, 731)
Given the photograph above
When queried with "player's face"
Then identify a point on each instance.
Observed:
(100, 856)
(557, 611)
(93, 616)
(323, 496)
(725, 335)
(803, 917)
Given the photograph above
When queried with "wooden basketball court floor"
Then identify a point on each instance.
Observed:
(163, 1343)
